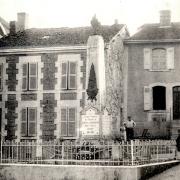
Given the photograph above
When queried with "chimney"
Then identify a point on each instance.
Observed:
(165, 18)
(22, 21)
(12, 26)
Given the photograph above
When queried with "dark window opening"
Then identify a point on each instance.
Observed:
(176, 102)
(159, 98)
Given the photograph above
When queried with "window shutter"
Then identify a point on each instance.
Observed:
(63, 121)
(32, 113)
(24, 76)
(170, 58)
(24, 122)
(1, 76)
(71, 122)
(147, 58)
(72, 75)
(33, 76)
(64, 76)
(147, 98)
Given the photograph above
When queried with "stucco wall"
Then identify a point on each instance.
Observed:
(138, 77)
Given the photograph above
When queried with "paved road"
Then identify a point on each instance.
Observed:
(170, 174)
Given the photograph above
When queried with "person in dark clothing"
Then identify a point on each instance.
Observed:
(178, 147)
(129, 125)
(178, 143)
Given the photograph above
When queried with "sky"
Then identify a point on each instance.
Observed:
(74, 13)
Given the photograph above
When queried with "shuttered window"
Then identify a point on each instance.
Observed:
(64, 71)
(28, 122)
(159, 59)
(71, 123)
(24, 122)
(147, 98)
(170, 58)
(64, 122)
(68, 75)
(68, 120)
(147, 58)
(1, 77)
(72, 75)
(32, 76)
(29, 76)
(32, 114)
(24, 76)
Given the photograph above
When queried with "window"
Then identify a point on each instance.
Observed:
(155, 98)
(159, 59)
(159, 98)
(176, 102)
(29, 76)
(68, 119)
(28, 122)
(1, 77)
(68, 75)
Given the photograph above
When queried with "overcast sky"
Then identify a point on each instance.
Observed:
(71, 13)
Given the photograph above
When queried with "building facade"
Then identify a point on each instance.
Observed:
(153, 81)
(43, 79)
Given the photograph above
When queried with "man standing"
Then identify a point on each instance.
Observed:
(129, 125)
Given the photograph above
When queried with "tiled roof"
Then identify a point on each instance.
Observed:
(57, 36)
(155, 32)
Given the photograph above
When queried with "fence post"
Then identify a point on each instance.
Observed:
(62, 152)
(132, 155)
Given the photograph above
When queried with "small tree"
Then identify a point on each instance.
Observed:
(92, 85)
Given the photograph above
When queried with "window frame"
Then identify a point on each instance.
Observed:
(165, 100)
(68, 122)
(148, 97)
(27, 122)
(68, 75)
(169, 58)
(164, 59)
(28, 76)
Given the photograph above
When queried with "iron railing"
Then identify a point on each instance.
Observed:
(102, 153)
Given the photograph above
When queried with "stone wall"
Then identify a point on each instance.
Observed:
(48, 98)
(49, 115)
(11, 116)
(67, 173)
(58, 172)
(49, 81)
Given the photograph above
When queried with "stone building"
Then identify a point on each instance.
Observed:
(153, 78)
(43, 78)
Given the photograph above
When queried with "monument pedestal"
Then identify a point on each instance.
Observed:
(95, 124)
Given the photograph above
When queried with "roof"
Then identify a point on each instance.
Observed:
(155, 32)
(57, 36)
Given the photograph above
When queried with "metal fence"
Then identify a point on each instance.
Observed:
(102, 153)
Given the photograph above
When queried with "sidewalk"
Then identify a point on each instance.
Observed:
(170, 174)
